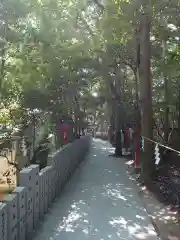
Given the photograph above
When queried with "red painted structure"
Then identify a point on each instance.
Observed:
(137, 152)
(63, 130)
(137, 148)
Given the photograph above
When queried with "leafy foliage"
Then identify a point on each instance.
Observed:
(54, 52)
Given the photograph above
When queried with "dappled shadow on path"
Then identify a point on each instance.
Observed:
(99, 203)
(163, 216)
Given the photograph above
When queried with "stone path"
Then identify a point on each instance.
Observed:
(100, 202)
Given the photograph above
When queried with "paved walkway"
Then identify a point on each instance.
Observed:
(98, 203)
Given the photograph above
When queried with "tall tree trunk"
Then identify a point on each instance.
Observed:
(166, 112)
(3, 52)
(76, 116)
(118, 120)
(118, 127)
(146, 95)
(119, 116)
(178, 109)
(137, 81)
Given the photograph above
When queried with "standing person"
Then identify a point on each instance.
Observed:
(65, 137)
(122, 137)
(135, 139)
(131, 136)
(110, 134)
(83, 132)
(126, 138)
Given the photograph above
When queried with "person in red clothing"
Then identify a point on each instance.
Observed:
(65, 137)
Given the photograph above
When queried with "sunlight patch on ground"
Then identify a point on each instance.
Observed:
(113, 193)
(109, 149)
(132, 228)
(129, 162)
(140, 217)
(74, 219)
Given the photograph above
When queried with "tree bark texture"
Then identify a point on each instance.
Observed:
(146, 96)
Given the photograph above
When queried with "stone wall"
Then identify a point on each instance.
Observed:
(21, 211)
